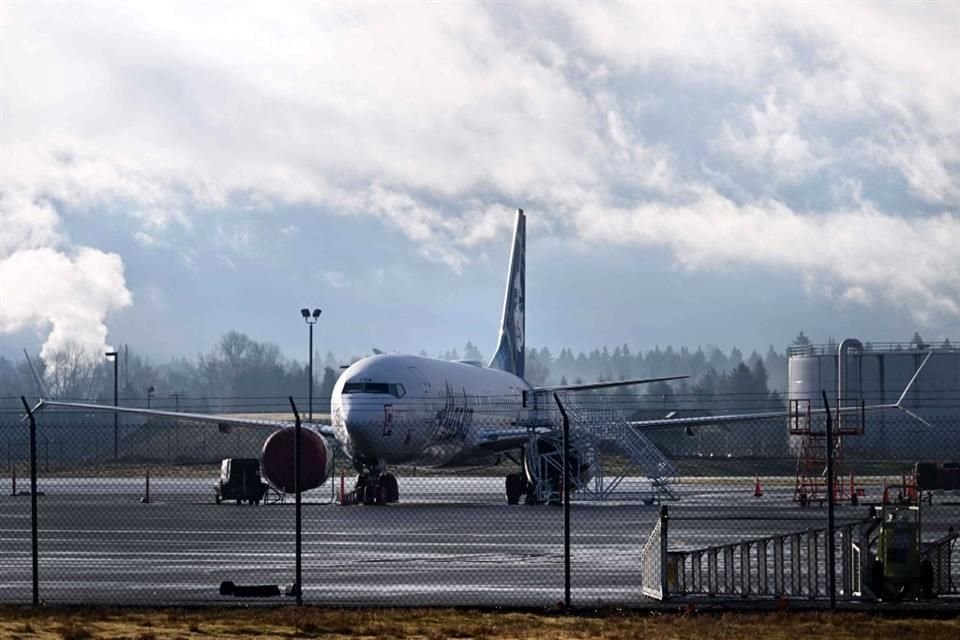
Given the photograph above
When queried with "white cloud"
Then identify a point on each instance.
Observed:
(441, 119)
(335, 279)
(770, 141)
(26, 224)
(853, 255)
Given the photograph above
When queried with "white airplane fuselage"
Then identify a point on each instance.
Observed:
(411, 410)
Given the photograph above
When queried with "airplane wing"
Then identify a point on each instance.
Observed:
(223, 421)
(497, 441)
(494, 440)
(704, 421)
(604, 385)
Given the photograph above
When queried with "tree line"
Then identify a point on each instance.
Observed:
(243, 374)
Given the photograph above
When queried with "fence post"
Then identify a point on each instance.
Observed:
(831, 481)
(664, 584)
(33, 503)
(566, 503)
(297, 585)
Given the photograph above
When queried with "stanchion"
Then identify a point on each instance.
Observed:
(566, 504)
(34, 521)
(146, 490)
(343, 493)
(13, 481)
(296, 589)
(831, 491)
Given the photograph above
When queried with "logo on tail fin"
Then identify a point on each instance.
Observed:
(518, 302)
(510, 354)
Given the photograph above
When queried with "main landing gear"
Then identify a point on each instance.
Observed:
(516, 486)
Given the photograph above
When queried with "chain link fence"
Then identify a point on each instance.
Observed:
(163, 520)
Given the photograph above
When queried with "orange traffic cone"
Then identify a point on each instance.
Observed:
(757, 489)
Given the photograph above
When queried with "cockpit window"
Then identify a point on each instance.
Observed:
(383, 388)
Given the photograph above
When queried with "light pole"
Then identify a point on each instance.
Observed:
(116, 416)
(150, 391)
(310, 319)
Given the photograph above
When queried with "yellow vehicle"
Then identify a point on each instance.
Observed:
(898, 571)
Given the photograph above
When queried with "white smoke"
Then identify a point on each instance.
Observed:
(45, 284)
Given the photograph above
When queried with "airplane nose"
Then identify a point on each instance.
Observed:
(363, 422)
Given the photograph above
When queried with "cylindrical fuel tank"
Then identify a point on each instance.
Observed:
(878, 375)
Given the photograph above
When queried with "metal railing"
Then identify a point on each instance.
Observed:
(830, 349)
(790, 564)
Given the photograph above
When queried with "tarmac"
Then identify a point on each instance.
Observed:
(449, 541)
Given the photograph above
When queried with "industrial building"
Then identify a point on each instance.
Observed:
(852, 373)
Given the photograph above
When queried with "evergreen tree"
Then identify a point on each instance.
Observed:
(536, 372)
(326, 385)
(470, 352)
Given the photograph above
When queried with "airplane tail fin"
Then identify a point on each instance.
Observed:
(510, 355)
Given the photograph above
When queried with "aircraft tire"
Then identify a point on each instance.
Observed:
(876, 578)
(515, 484)
(531, 495)
(390, 487)
(926, 579)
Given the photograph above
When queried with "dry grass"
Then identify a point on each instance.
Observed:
(438, 624)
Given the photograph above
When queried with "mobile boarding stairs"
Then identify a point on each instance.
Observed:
(594, 432)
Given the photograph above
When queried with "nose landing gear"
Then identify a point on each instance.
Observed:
(375, 487)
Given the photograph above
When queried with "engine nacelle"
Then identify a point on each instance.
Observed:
(543, 467)
(276, 459)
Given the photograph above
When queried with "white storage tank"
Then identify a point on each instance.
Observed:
(878, 374)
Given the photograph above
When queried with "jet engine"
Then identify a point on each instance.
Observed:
(276, 459)
(543, 465)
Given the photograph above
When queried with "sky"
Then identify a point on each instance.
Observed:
(693, 173)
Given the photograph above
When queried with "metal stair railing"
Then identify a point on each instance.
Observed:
(590, 429)
(788, 564)
(552, 460)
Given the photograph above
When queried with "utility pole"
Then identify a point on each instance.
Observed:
(310, 319)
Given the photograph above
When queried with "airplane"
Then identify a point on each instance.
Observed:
(389, 410)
